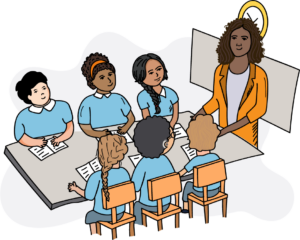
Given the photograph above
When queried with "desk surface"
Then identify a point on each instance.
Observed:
(49, 178)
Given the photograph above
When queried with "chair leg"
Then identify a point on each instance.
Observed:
(206, 213)
(190, 209)
(98, 228)
(177, 220)
(131, 229)
(224, 207)
(159, 225)
(144, 220)
(114, 233)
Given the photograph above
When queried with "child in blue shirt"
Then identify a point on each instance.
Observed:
(149, 71)
(203, 134)
(153, 137)
(103, 108)
(111, 149)
(44, 117)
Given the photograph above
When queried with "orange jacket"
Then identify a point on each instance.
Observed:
(253, 103)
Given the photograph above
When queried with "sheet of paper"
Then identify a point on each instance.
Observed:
(41, 153)
(126, 135)
(179, 131)
(191, 153)
(95, 164)
(55, 149)
(85, 171)
(136, 158)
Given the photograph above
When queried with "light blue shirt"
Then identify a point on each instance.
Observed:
(168, 98)
(149, 168)
(103, 110)
(199, 160)
(94, 186)
(39, 122)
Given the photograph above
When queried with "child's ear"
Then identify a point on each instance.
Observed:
(29, 97)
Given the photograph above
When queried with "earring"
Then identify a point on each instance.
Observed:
(165, 144)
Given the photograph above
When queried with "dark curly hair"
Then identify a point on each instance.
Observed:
(149, 136)
(256, 52)
(139, 74)
(86, 67)
(29, 81)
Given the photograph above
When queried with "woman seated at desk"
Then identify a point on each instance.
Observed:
(153, 137)
(149, 71)
(103, 108)
(44, 117)
(203, 134)
(111, 151)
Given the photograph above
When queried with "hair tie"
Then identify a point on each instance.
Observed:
(94, 64)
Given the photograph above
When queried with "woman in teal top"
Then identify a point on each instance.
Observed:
(111, 151)
(103, 108)
(153, 137)
(149, 71)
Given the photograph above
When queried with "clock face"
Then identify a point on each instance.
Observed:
(257, 13)
(256, 16)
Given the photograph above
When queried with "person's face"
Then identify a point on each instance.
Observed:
(240, 42)
(40, 94)
(105, 80)
(154, 73)
(170, 142)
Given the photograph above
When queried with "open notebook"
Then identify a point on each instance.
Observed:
(48, 150)
(89, 168)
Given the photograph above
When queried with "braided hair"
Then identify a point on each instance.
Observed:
(139, 74)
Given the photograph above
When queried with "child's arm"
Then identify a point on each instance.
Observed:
(131, 119)
(175, 114)
(182, 172)
(138, 177)
(73, 187)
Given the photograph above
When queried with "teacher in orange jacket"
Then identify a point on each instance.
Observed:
(240, 86)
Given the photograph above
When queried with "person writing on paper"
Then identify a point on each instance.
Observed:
(153, 138)
(240, 86)
(202, 134)
(111, 151)
(102, 108)
(44, 117)
(149, 71)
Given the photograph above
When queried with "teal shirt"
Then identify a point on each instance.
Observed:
(199, 160)
(166, 104)
(93, 190)
(149, 168)
(44, 123)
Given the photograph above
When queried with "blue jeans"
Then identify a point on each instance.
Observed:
(189, 188)
(138, 206)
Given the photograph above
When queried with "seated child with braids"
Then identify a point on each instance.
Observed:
(203, 134)
(111, 150)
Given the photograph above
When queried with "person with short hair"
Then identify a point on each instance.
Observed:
(202, 134)
(153, 138)
(103, 108)
(155, 100)
(111, 151)
(44, 117)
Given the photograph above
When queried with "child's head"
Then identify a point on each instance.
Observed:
(99, 72)
(203, 133)
(111, 150)
(33, 88)
(149, 71)
(153, 137)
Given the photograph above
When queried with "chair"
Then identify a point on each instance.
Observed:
(119, 194)
(205, 175)
(159, 188)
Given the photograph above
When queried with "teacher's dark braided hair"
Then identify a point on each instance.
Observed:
(139, 74)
